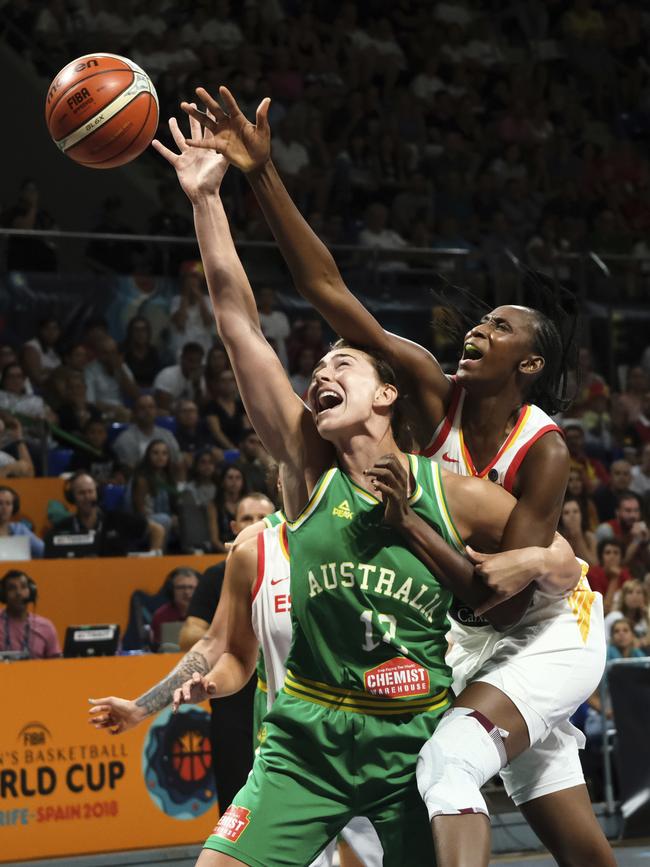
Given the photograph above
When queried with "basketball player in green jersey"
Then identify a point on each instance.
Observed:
(367, 682)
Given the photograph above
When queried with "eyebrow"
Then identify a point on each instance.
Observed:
(338, 355)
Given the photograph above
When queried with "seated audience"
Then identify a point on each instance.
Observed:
(154, 491)
(201, 487)
(594, 472)
(9, 507)
(633, 604)
(608, 575)
(132, 443)
(305, 363)
(638, 433)
(632, 532)
(640, 483)
(74, 411)
(109, 381)
(577, 490)
(180, 586)
(573, 526)
(606, 496)
(224, 412)
(19, 464)
(192, 320)
(20, 629)
(231, 488)
(40, 356)
(101, 462)
(192, 431)
(182, 380)
(275, 325)
(254, 462)
(622, 641)
(140, 355)
(17, 396)
(95, 532)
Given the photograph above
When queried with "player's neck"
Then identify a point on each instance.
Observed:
(492, 413)
(362, 451)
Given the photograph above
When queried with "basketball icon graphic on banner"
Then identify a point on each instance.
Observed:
(102, 110)
(177, 763)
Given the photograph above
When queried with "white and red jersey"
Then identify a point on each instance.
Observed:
(448, 447)
(271, 605)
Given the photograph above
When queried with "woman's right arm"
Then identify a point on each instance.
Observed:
(314, 271)
(281, 420)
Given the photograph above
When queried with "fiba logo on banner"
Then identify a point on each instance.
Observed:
(177, 763)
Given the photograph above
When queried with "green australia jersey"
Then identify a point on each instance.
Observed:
(366, 613)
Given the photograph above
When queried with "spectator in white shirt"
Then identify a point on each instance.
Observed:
(182, 380)
(640, 483)
(289, 155)
(16, 396)
(275, 325)
(39, 354)
(132, 443)
(109, 382)
(192, 320)
(377, 234)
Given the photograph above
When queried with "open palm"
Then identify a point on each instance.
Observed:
(244, 144)
(199, 170)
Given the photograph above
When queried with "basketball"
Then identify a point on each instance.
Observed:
(101, 110)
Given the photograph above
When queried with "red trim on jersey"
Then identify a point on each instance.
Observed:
(260, 565)
(509, 477)
(284, 540)
(524, 413)
(433, 447)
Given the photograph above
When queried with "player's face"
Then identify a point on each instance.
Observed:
(6, 507)
(249, 511)
(494, 349)
(344, 393)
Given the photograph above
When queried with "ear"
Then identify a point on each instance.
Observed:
(386, 394)
(533, 364)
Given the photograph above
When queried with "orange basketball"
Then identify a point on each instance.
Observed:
(102, 110)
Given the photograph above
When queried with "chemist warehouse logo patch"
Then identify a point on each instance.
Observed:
(233, 823)
(343, 511)
(397, 678)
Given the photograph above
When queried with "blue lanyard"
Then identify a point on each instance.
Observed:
(26, 632)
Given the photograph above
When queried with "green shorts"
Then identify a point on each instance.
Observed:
(319, 766)
(260, 701)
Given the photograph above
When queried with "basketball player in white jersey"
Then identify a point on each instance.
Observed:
(514, 357)
(253, 612)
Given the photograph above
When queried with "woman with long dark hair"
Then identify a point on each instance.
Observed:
(154, 488)
(140, 355)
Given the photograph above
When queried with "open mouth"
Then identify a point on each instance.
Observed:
(471, 352)
(327, 399)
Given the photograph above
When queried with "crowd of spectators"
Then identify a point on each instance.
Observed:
(475, 124)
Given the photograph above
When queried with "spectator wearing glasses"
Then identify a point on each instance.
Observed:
(179, 586)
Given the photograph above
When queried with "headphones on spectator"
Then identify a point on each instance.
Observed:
(16, 506)
(168, 586)
(68, 488)
(16, 573)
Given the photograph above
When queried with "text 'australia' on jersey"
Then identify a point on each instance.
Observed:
(366, 613)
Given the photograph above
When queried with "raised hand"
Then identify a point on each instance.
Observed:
(194, 691)
(115, 714)
(200, 171)
(244, 144)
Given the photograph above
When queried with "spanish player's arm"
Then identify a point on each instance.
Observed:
(313, 269)
(236, 663)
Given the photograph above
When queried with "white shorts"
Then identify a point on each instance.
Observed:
(548, 665)
(362, 838)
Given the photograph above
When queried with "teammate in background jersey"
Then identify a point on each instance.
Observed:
(514, 355)
(319, 763)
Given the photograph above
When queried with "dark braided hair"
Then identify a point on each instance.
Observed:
(554, 314)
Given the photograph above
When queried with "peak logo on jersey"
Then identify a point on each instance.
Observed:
(343, 511)
(449, 460)
(397, 677)
(233, 823)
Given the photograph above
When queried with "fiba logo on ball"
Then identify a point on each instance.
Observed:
(177, 763)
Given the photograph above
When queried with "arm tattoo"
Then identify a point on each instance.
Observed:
(160, 695)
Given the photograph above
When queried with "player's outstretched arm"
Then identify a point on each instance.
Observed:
(119, 715)
(281, 420)
(233, 621)
(314, 271)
